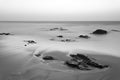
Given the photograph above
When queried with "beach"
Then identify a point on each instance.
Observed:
(20, 51)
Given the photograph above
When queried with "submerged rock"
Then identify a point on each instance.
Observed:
(61, 39)
(115, 30)
(54, 29)
(100, 32)
(84, 36)
(62, 29)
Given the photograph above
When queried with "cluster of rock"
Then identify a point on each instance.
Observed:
(82, 62)
(64, 39)
(77, 61)
(29, 42)
(5, 33)
(67, 40)
(60, 29)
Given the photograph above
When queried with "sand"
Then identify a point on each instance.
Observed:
(18, 62)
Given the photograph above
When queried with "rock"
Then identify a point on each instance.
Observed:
(61, 29)
(5, 34)
(100, 32)
(38, 55)
(48, 58)
(62, 40)
(82, 62)
(30, 41)
(67, 40)
(80, 57)
(84, 36)
(52, 39)
(77, 65)
(115, 30)
(96, 65)
(60, 36)
(54, 29)
(72, 64)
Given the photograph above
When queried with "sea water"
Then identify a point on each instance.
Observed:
(107, 46)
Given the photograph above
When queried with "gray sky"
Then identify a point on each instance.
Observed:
(60, 10)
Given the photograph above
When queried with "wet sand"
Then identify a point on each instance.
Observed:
(27, 67)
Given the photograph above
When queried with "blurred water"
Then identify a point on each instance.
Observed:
(108, 44)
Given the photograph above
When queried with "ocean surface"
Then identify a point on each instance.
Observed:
(107, 45)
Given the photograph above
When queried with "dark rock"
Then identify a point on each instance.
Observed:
(63, 40)
(82, 62)
(48, 58)
(83, 66)
(80, 57)
(60, 36)
(68, 40)
(72, 64)
(115, 30)
(38, 55)
(54, 29)
(100, 32)
(52, 39)
(96, 65)
(5, 34)
(61, 29)
(30, 41)
(84, 36)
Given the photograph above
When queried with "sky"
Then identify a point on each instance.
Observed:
(59, 10)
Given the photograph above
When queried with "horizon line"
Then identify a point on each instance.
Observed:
(57, 21)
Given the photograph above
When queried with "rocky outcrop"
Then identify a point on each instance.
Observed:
(84, 36)
(82, 62)
(100, 32)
